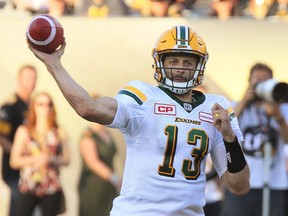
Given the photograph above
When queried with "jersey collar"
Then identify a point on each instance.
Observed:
(197, 98)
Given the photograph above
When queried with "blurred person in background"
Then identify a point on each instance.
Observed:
(98, 184)
(39, 150)
(164, 8)
(53, 7)
(176, 8)
(159, 8)
(3, 3)
(31, 6)
(282, 9)
(59, 8)
(224, 8)
(154, 8)
(102, 8)
(198, 8)
(97, 8)
(262, 9)
(12, 114)
(261, 121)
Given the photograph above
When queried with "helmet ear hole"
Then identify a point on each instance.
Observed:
(200, 78)
(158, 76)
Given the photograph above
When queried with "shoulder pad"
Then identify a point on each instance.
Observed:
(135, 90)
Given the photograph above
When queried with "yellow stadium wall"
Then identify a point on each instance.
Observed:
(104, 54)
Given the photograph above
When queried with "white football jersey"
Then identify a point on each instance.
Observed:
(167, 144)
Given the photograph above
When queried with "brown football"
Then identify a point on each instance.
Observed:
(45, 33)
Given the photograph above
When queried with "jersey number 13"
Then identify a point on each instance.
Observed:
(190, 170)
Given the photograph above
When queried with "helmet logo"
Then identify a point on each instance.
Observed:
(182, 46)
(164, 41)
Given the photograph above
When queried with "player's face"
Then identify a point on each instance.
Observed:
(180, 68)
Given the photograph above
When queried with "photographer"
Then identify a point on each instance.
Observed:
(261, 122)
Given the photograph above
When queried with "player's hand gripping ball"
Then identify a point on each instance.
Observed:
(45, 33)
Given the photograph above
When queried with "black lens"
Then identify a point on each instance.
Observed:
(280, 92)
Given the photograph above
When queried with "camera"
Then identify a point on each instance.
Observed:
(272, 91)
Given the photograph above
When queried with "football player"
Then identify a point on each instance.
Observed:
(169, 129)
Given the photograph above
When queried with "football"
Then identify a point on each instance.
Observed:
(45, 33)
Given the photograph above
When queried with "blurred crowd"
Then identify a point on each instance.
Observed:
(223, 9)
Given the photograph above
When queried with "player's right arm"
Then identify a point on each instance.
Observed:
(101, 110)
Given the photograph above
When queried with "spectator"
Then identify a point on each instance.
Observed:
(198, 8)
(153, 8)
(102, 8)
(12, 114)
(176, 8)
(52, 7)
(138, 7)
(60, 7)
(99, 184)
(224, 8)
(261, 122)
(282, 9)
(39, 150)
(240, 8)
(259, 9)
(117, 8)
(31, 6)
(98, 9)
(3, 3)
(159, 8)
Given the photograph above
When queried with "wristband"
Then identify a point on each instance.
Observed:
(235, 157)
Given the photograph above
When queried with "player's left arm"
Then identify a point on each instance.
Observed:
(236, 178)
(237, 183)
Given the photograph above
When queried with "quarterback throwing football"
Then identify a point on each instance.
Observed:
(169, 129)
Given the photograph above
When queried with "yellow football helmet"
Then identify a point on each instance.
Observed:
(179, 39)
